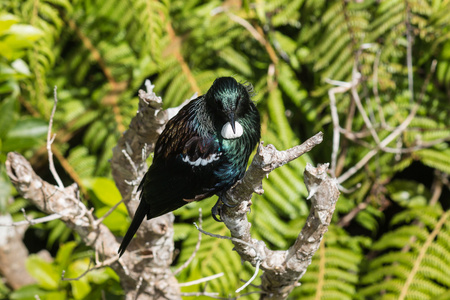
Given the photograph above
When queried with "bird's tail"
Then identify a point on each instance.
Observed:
(139, 216)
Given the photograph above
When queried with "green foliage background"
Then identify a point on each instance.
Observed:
(98, 53)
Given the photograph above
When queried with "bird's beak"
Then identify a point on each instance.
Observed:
(233, 124)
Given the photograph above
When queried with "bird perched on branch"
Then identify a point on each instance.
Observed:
(202, 151)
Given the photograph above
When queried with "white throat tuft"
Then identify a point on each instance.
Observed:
(227, 131)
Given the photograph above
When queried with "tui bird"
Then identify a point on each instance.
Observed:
(202, 151)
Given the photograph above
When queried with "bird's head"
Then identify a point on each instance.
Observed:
(228, 101)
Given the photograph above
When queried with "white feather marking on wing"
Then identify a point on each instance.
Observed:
(202, 161)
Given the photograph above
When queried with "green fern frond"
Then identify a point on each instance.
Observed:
(82, 162)
(333, 271)
(417, 272)
(435, 159)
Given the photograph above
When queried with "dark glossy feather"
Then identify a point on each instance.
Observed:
(193, 161)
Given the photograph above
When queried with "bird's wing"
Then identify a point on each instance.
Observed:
(183, 167)
(184, 141)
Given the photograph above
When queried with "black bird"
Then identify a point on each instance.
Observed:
(202, 151)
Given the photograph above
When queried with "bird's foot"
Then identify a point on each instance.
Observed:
(217, 211)
(217, 208)
(225, 201)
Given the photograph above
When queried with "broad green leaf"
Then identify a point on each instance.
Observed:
(5, 189)
(59, 232)
(64, 254)
(19, 144)
(107, 192)
(7, 115)
(408, 193)
(25, 134)
(29, 127)
(99, 276)
(6, 21)
(21, 67)
(116, 221)
(9, 87)
(24, 31)
(80, 287)
(29, 292)
(43, 272)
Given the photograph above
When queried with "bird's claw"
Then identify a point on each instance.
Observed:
(217, 211)
(225, 201)
(217, 208)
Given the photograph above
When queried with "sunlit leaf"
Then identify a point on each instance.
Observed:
(44, 272)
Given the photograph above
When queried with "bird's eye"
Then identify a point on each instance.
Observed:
(238, 101)
(219, 104)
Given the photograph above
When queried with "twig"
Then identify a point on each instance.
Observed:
(393, 135)
(409, 54)
(78, 277)
(224, 237)
(149, 86)
(132, 164)
(375, 89)
(197, 246)
(215, 295)
(102, 218)
(29, 221)
(361, 108)
(342, 87)
(244, 23)
(345, 220)
(201, 280)
(50, 141)
(89, 269)
(257, 35)
(138, 287)
(398, 130)
(198, 294)
(258, 262)
(427, 80)
(253, 285)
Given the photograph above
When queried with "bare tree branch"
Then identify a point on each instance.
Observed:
(282, 269)
(145, 270)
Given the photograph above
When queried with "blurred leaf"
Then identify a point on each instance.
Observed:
(5, 190)
(117, 221)
(59, 232)
(408, 193)
(29, 127)
(21, 67)
(80, 287)
(6, 21)
(26, 32)
(25, 134)
(17, 38)
(7, 115)
(43, 272)
(29, 292)
(64, 254)
(107, 192)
